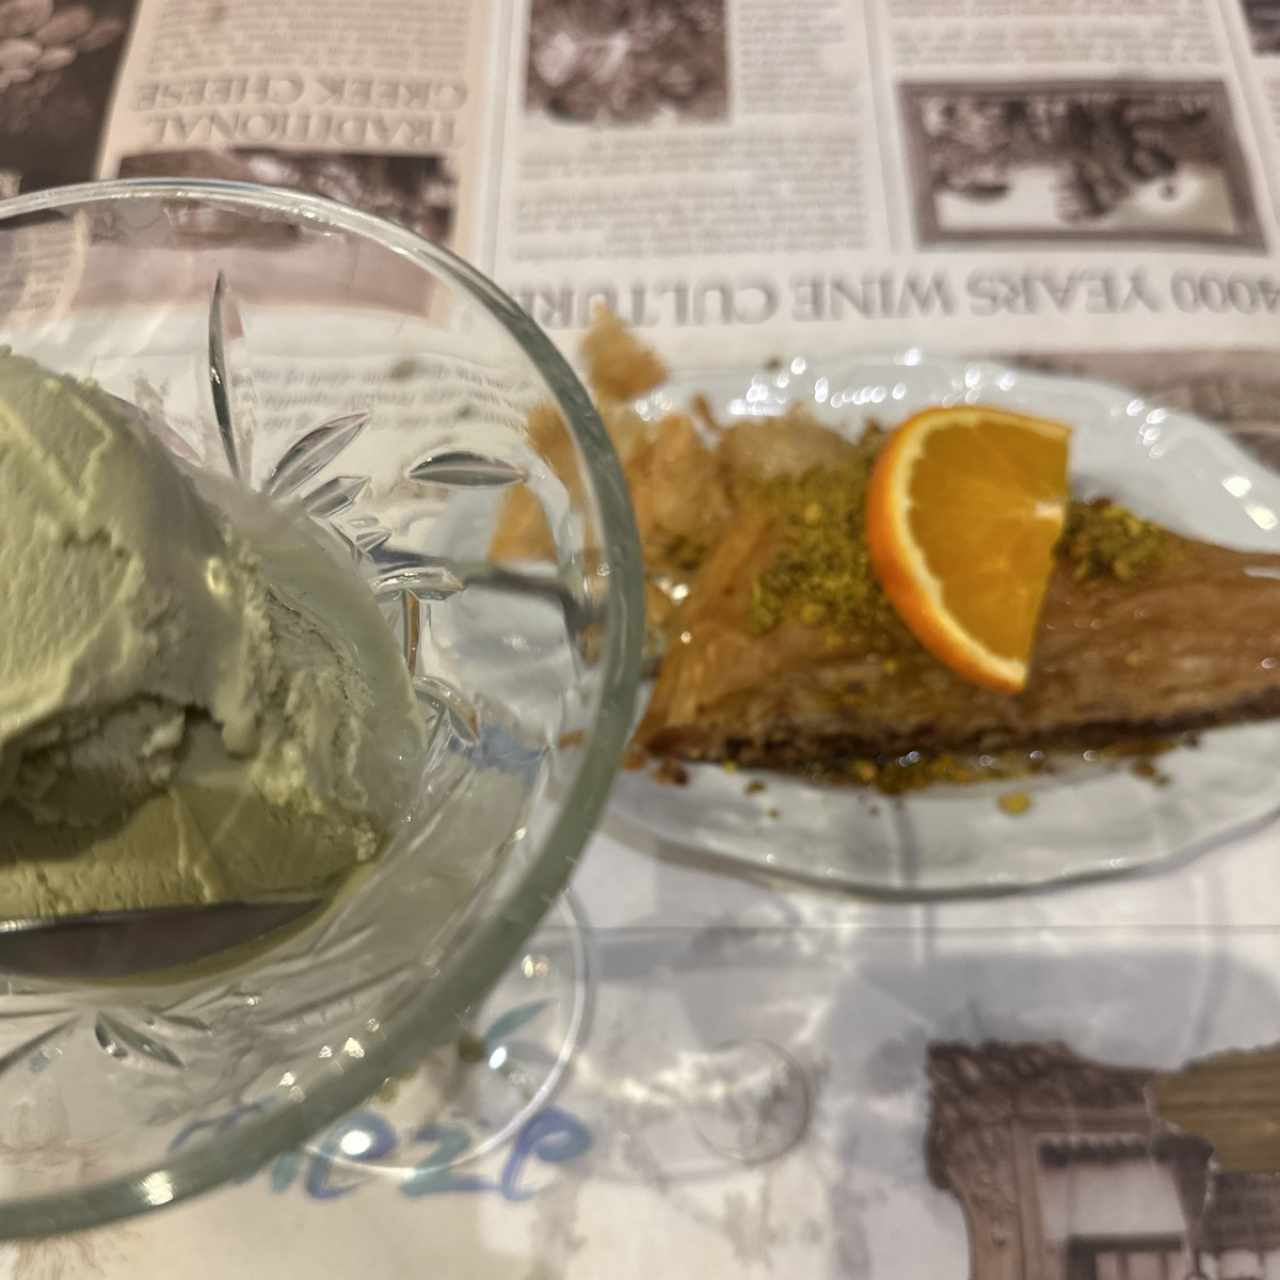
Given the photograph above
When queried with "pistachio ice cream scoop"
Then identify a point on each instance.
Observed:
(181, 720)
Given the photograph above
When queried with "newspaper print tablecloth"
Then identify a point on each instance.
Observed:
(818, 1012)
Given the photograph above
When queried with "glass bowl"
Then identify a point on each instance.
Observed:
(338, 362)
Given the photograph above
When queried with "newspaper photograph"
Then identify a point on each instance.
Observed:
(1263, 20)
(613, 62)
(58, 64)
(1148, 162)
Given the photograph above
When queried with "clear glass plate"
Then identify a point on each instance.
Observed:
(1084, 822)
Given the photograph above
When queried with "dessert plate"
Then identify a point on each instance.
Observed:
(1086, 819)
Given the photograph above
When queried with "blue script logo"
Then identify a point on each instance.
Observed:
(550, 1137)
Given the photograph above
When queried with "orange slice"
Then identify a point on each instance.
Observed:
(964, 507)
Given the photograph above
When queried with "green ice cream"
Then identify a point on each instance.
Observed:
(181, 720)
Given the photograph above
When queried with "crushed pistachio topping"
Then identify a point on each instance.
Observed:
(1102, 539)
(821, 575)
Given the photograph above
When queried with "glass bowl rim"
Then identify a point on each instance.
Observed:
(476, 960)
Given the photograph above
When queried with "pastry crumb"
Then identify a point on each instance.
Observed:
(672, 773)
(1014, 803)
